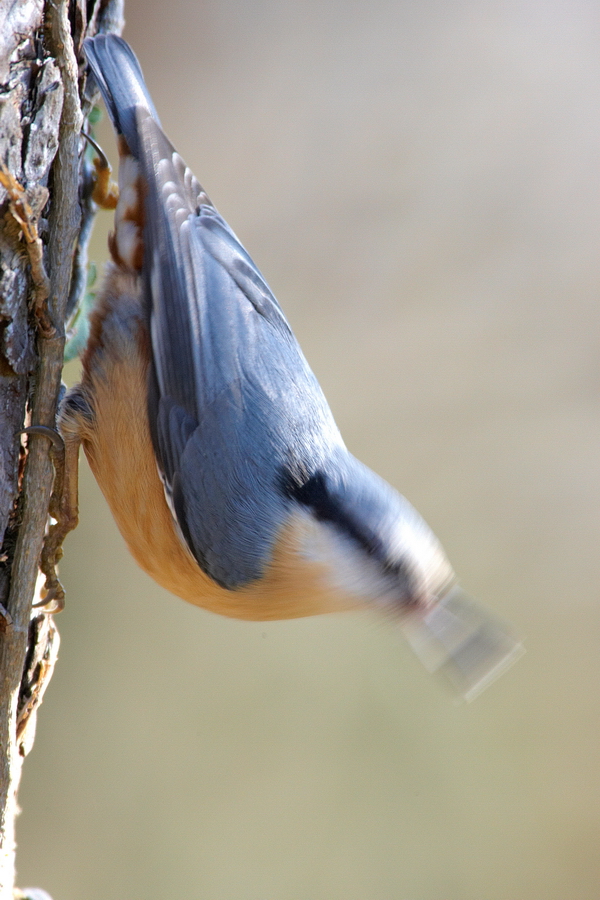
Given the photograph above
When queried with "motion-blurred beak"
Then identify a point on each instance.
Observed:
(462, 641)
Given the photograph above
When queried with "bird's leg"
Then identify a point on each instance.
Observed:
(106, 192)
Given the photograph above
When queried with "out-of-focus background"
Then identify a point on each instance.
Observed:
(420, 184)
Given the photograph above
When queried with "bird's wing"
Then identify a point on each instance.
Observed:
(232, 401)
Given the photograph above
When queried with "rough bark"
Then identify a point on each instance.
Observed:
(43, 214)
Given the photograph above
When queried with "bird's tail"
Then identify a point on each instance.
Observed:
(462, 641)
(121, 83)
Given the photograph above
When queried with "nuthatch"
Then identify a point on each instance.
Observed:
(211, 438)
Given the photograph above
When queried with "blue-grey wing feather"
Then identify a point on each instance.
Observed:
(233, 402)
(234, 410)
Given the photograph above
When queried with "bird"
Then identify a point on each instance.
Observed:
(210, 436)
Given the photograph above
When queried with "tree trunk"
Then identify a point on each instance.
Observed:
(44, 218)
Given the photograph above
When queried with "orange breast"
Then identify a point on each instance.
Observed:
(119, 450)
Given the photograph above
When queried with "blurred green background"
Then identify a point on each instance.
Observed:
(419, 182)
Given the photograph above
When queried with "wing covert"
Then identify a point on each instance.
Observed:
(232, 400)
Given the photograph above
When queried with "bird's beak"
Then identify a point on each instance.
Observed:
(462, 641)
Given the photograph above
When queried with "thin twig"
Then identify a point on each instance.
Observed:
(64, 224)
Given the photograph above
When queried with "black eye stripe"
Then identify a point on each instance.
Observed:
(314, 494)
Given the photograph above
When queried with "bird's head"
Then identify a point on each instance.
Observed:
(375, 549)
(373, 545)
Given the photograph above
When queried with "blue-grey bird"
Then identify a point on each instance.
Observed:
(211, 438)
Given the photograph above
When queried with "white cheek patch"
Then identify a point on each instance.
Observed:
(415, 542)
(348, 569)
(352, 572)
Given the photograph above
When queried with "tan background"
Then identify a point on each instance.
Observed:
(420, 184)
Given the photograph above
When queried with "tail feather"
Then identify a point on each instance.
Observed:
(121, 83)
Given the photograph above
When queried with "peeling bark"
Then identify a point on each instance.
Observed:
(42, 110)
